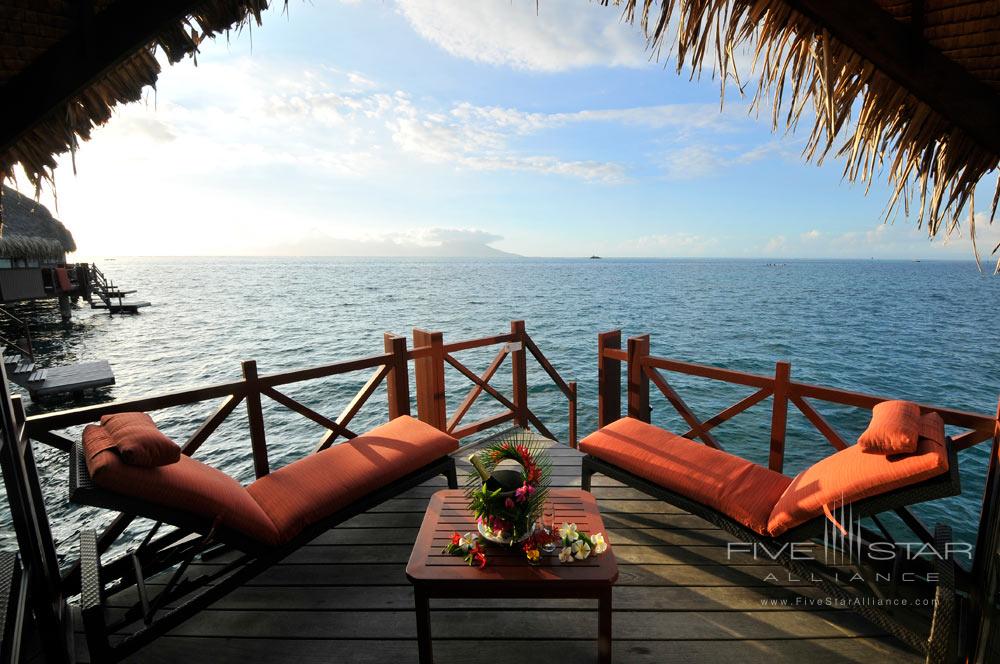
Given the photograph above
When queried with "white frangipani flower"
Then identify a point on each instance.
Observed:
(568, 532)
(566, 555)
(580, 549)
(466, 542)
(600, 546)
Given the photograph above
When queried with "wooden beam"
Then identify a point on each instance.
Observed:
(397, 386)
(638, 381)
(428, 374)
(682, 408)
(911, 61)
(609, 378)
(779, 416)
(519, 374)
(80, 58)
(255, 419)
(476, 390)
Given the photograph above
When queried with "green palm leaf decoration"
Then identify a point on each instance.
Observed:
(511, 514)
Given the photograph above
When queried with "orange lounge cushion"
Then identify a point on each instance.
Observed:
(736, 487)
(894, 428)
(138, 441)
(311, 489)
(187, 485)
(851, 475)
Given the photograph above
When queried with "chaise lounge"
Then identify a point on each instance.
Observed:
(769, 509)
(126, 464)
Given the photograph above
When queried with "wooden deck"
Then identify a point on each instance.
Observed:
(346, 598)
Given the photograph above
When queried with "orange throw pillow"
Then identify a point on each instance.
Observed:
(138, 441)
(894, 429)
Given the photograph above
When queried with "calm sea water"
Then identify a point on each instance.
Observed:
(920, 330)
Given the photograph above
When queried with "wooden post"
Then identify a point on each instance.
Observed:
(255, 416)
(429, 376)
(986, 564)
(519, 374)
(572, 413)
(34, 536)
(397, 383)
(638, 381)
(609, 379)
(779, 415)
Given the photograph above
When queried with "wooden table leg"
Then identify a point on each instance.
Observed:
(604, 627)
(423, 610)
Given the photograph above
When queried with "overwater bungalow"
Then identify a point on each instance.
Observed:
(346, 554)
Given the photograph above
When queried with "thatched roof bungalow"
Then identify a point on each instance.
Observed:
(908, 90)
(30, 232)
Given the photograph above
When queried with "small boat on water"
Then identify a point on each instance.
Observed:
(595, 257)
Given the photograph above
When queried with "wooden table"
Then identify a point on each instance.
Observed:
(508, 574)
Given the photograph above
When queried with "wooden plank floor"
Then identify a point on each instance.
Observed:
(345, 598)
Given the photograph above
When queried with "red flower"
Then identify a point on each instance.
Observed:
(509, 504)
(477, 556)
(456, 538)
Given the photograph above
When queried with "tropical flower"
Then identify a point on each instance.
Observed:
(524, 492)
(566, 555)
(580, 549)
(568, 532)
(533, 555)
(477, 556)
(600, 546)
(509, 503)
(466, 541)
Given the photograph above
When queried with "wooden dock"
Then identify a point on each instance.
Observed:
(120, 306)
(73, 378)
(345, 598)
(65, 379)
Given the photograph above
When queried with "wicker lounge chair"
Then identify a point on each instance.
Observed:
(768, 509)
(255, 527)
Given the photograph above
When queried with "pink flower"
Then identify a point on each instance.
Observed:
(509, 503)
(524, 492)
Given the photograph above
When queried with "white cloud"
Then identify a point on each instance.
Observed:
(555, 35)
(448, 242)
(704, 159)
(670, 245)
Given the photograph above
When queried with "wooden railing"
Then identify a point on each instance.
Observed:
(643, 369)
(390, 367)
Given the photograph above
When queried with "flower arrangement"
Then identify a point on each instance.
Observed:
(469, 547)
(578, 545)
(506, 504)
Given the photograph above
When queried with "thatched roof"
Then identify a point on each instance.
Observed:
(30, 230)
(908, 90)
(65, 65)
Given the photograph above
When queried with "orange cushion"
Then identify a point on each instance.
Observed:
(63, 278)
(138, 440)
(851, 475)
(187, 485)
(894, 429)
(311, 489)
(736, 487)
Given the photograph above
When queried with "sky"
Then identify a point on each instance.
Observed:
(447, 126)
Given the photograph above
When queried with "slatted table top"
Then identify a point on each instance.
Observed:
(448, 512)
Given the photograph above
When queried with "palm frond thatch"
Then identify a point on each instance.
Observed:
(31, 248)
(859, 113)
(73, 120)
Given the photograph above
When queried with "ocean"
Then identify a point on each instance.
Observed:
(924, 330)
